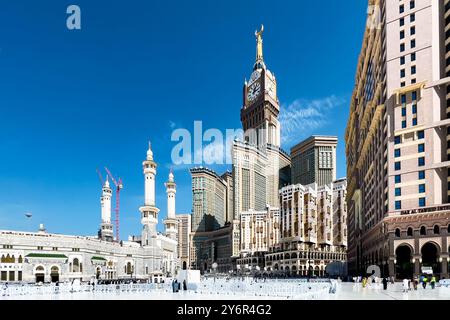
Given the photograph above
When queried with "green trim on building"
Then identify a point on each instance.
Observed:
(98, 258)
(46, 255)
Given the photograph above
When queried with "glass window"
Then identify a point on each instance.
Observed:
(397, 139)
(397, 153)
(413, 43)
(402, 22)
(403, 98)
(414, 108)
(402, 34)
(409, 232)
(421, 161)
(412, 4)
(421, 147)
(402, 60)
(398, 205)
(414, 95)
(398, 178)
(402, 47)
(420, 134)
(412, 17)
(413, 56)
(402, 73)
(397, 166)
(403, 124)
(413, 70)
(421, 175)
(398, 192)
(414, 121)
(422, 202)
(401, 9)
(403, 112)
(421, 188)
(412, 30)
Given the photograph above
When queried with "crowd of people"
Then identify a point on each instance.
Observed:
(176, 286)
(407, 284)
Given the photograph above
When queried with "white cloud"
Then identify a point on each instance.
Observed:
(302, 117)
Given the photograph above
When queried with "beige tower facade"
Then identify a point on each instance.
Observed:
(314, 161)
(260, 233)
(311, 229)
(398, 163)
(184, 234)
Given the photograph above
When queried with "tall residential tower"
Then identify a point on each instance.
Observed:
(397, 141)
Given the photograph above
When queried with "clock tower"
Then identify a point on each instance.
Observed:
(259, 114)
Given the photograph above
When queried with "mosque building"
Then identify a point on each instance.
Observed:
(48, 257)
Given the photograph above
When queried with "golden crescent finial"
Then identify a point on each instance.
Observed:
(259, 33)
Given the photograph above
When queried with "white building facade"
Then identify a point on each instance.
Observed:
(46, 257)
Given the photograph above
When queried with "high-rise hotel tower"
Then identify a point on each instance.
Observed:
(398, 141)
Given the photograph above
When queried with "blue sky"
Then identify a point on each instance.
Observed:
(72, 101)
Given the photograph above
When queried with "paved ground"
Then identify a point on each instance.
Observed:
(352, 291)
(345, 291)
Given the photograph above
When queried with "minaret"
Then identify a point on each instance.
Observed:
(106, 228)
(149, 212)
(171, 222)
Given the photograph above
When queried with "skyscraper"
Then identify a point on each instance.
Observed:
(397, 149)
(314, 161)
(209, 200)
(257, 160)
(184, 235)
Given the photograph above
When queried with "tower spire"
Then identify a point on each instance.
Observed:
(259, 44)
(149, 151)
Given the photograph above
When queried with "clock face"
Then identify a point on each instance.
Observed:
(255, 76)
(271, 89)
(253, 91)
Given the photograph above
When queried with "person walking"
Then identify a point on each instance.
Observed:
(364, 282)
(184, 285)
(433, 282)
(405, 285)
(385, 283)
(424, 282)
(174, 285)
(415, 282)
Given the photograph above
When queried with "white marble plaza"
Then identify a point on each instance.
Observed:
(224, 290)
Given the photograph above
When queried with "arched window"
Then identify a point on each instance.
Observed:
(410, 232)
(436, 229)
(40, 269)
(397, 233)
(423, 231)
(76, 265)
(20, 260)
(3, 259)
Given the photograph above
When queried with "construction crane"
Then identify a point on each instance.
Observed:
(119, 186)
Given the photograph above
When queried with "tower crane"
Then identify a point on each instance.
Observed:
(119, 186)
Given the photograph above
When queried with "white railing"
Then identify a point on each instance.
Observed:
(290, 289)
(277, 288)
